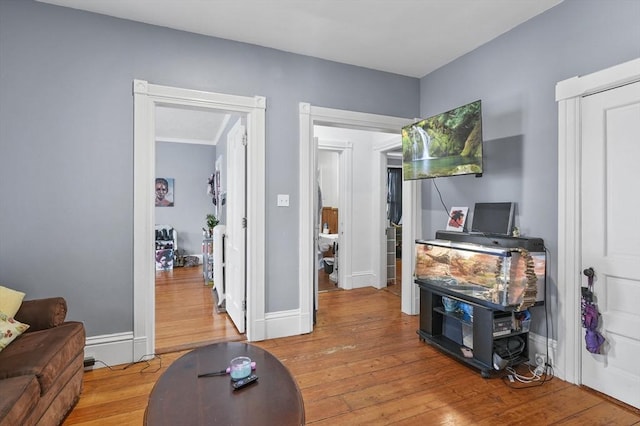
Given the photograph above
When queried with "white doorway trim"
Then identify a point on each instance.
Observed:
(411, 228)
(345, 197)
(309, 116)
(146, 98)
(411, 225)
(569, 94)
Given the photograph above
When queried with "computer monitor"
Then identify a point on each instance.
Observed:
(493, 218)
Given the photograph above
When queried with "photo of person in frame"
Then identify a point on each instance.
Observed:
(164, 260)
(164, 192)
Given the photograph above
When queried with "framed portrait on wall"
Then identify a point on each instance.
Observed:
(457, 219)
(164, 192)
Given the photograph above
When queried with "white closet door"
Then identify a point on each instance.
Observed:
(611, 237)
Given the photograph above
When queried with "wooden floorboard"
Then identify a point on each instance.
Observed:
(185, 313)
(362, 365)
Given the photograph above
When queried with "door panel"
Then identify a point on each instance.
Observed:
(236, 232)
(611, 236)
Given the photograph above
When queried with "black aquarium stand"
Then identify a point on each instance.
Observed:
(446, 330)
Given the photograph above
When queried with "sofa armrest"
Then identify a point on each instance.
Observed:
(41, 314)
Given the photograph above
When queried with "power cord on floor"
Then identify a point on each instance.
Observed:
(143, 359)
(531, 378)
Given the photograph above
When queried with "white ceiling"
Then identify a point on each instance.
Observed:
(407, 37)
(189, 125)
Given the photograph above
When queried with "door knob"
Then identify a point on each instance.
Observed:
(589, 272)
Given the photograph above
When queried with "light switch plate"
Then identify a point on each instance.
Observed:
(283, 200)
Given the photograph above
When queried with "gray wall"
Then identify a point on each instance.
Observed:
(66, 145)
(190, 165)
(515, 76)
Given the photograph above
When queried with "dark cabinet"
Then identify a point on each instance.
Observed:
(472, 339)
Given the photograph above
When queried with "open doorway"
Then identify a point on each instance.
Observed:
(350, 199)
(329, 219)
(333, 225)
(347, 248)
(310, 117)
(393, 205)
(190, 144)
(146, 98)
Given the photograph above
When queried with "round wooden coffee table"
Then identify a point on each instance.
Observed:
(180, 397)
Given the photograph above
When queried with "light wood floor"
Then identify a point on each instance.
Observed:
(364, 364)
(394, 286)
(185, 316)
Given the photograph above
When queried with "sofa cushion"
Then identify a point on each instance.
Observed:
(9, 330)
(10, 300)
(18, 398)
(43, 353)
(61, 398)
(41, 314)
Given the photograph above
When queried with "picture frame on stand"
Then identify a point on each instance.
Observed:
(457, 219)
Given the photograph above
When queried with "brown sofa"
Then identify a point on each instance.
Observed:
(41, 370)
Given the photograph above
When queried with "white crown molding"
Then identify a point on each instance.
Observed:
(187, 141)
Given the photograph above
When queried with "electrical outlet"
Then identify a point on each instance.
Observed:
(283, 200)
(541, 360)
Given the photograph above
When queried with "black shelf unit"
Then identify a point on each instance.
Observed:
(439, 328)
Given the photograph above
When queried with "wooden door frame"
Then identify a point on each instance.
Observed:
(569, 94)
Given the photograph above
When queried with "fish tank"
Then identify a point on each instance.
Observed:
(510, 277)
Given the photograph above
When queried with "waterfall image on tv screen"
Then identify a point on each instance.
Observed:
(447, 144)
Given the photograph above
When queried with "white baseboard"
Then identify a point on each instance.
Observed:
(284, 324)
(363, 279)
(538, 344)
(119, 348)
(110, 350)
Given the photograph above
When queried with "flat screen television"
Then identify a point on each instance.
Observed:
(493, 218)
(446, 144)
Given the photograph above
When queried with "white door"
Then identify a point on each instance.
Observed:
(236, 230)
(317, 216)
(611, 237)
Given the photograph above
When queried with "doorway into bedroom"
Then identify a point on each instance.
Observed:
(147, 97)
(190, 144)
